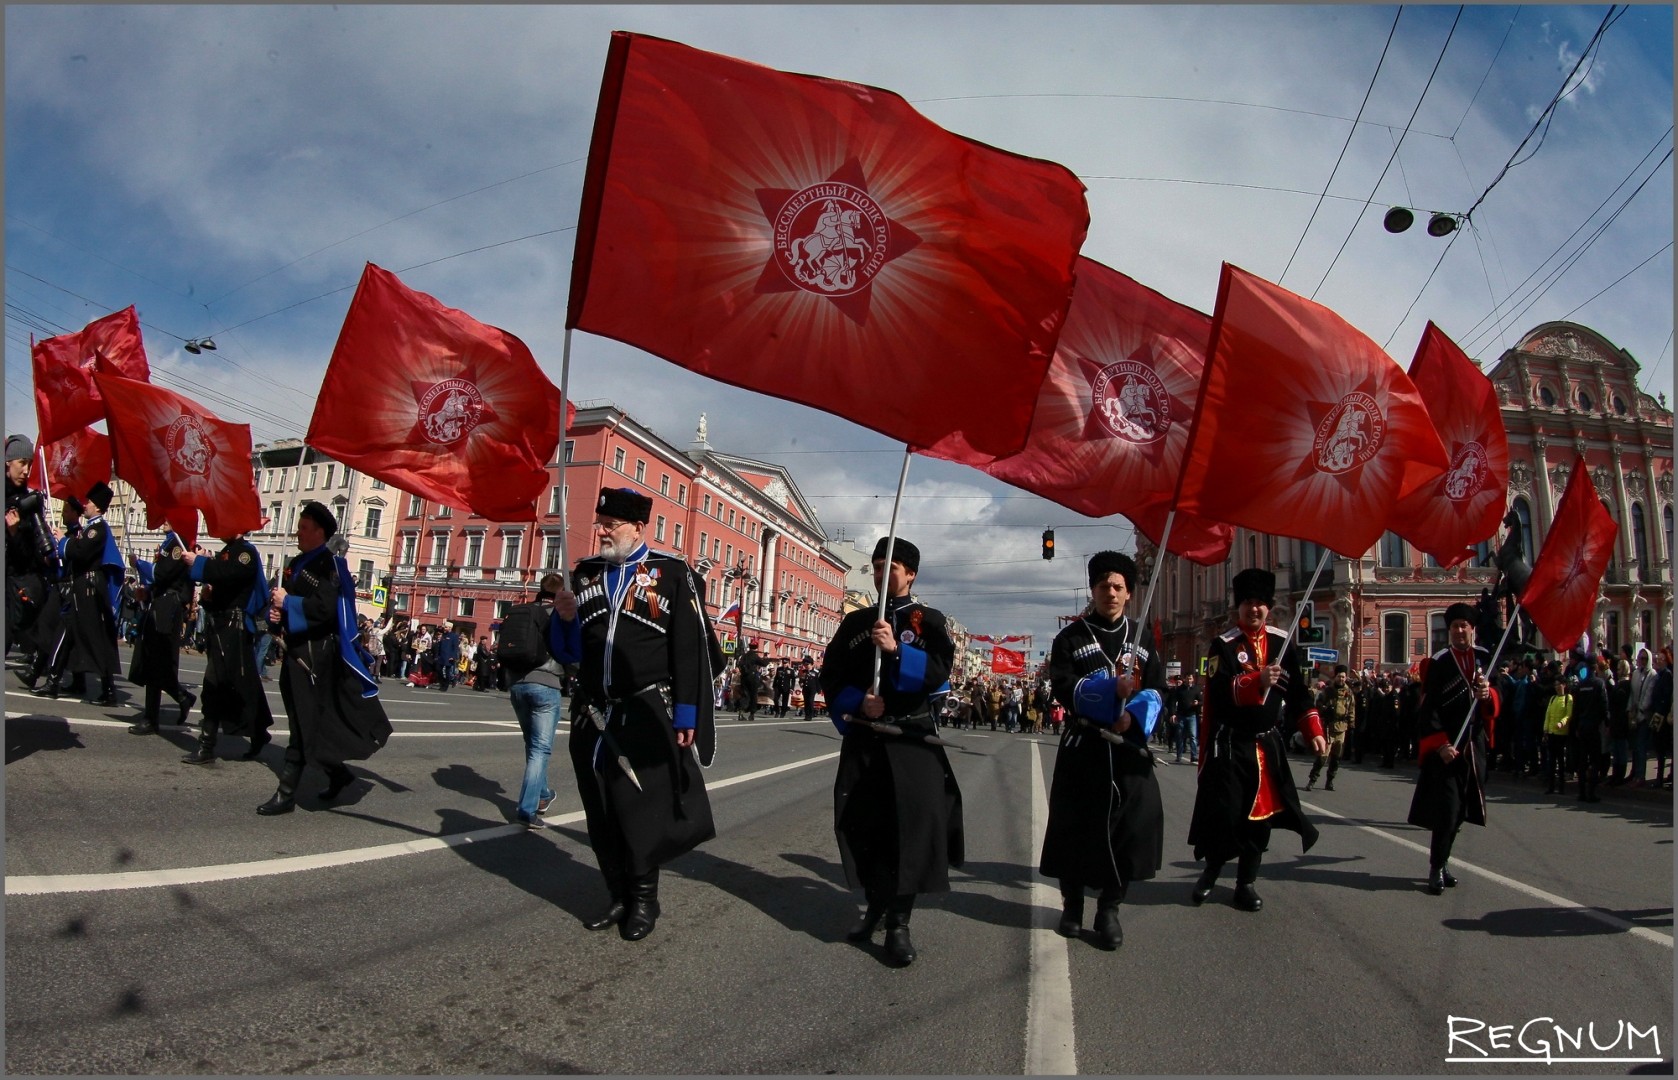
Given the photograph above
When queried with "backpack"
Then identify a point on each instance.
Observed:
(523, 641)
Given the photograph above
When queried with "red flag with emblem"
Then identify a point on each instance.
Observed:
(1304, 426)
(66, 396)
(822, 242)
(1007, 661)
(178, 455)
(1464, 506)
(1561, 593)
(434, 402)
(1112, 416)
(74, 463)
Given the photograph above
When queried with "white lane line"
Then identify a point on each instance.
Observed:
(1049, 1048)
(39, 884)
(1519, 886)
(501, 727)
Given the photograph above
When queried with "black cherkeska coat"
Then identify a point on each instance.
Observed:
(1448, 795)
(157, 647)
(323, 696)
(93, 623)
(232, 694)
(1106, 822)
(648, 654)
(896, 804)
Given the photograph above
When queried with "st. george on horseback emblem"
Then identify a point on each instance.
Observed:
(450, 410)
(1349, 435)
(188, 446)
(1129, 402)
(1468, 472)
(831, 238)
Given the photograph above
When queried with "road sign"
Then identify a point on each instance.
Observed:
(1369, 665)
(1319, 655)
(379, 596)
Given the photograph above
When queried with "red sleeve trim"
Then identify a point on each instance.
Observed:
(1431, 743)
(1247, 690)
(1311, 724)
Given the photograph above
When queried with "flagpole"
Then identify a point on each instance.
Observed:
(1159, 564)
(1299, 611)
(564, 507)
(1491, 665)
(885, 579)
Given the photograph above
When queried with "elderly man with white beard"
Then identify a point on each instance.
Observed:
(642, 720)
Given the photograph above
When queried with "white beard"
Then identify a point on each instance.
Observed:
(613, 553)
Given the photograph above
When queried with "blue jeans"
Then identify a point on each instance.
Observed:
(1188, 734)
(537, 708)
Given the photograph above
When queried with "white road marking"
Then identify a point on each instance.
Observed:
(1049, 1046)
(1519, 886)
(39, 884)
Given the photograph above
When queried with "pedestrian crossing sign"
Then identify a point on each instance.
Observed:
(379, 596)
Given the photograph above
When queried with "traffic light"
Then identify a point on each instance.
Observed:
(1048, 543)
(1310, 633)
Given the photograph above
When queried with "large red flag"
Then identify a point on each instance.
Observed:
(1304, 426)
(821, 241)
(1007, 661)
(75, 463)
(1463, 507)
(177, 454)
(66, 397)
(1561, 593)
(182, 519)
(432, 401)
(1112, 416)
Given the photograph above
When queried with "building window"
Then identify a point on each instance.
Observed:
(570, 449)
(502, 607)
(664, 484)
(716, 549)
(1438, 635)
(399, 602)
(550, 552)
(274, 510)
(378, 485)
(439, 548)
(1392, 549)
(1619, 404)
(1666, 527)
(731, 517)
(1395, 629)
(444, 510)
(1645, 628)
(416, 506)
(682, 494)
(553, 500)
(658, 529)
(677, 540)
(1523, 514)
(328, 480)
(410, 548)
(313, 470)
(640, 471)
(349, 473)
(618, 459)
(729, 558)
(1639, 537)
(370, 528)
(1547, 397)
(433, 604)
(291, 519)
(510, 545)
(474, 550)
(702, 543)
(705, 505)
(1585, 401)
(364, 576)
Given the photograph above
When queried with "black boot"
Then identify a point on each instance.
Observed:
(338, 777)
(107, 691)
(186, 701)
(1247, 897)
(1071, 910)
(258, 741)
(900, 951)
(146, 725)
(284, 799)
(615, 911)
(1435, 881)
(643, 912)
(205, 752)
(1108, 933)
(863, 929)
(1448, 879)
(1203, 887)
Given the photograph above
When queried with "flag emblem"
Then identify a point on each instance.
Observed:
(68, 462)
(1468, 473)
(188, 446)
(1350, 435)
(1130, 402)
(449, 410)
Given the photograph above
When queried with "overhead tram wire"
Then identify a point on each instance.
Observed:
(1663, 249)
(1489, 67)
(1354, 130)
(1396, 146)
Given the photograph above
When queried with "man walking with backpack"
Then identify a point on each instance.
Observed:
(535, 680)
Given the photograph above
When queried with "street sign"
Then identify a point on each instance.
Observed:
(1369, 665)
(379, 596)
(1318, 655)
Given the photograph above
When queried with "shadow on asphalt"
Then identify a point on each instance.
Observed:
(27, 734)
(1549, 922)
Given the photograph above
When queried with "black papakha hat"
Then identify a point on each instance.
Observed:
(99, 495)
(625, 504)
(1103, 563)
(901, 552)
(1461, 611)
(320, 515)
(1255, 584)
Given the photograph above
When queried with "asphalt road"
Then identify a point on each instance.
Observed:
(156, 924)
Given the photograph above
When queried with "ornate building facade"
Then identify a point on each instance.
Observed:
(1565, 391)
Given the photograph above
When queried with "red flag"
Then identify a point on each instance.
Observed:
(75, 463)
(184, 520)
(66, 397)
(177, 454)
(1112, 416)
(1007, 661)
(432, 401)
(822, 242)
(1304, 426)
(1561, 593)
(1463, 507)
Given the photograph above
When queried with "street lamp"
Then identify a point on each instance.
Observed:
(198, 345)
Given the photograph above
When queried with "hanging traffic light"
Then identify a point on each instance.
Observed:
(1048, 543)
(1310, 633)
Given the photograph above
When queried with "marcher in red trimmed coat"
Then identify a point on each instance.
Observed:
(1451, 787)
(1254, 697)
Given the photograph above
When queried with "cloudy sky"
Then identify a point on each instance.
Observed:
(229, 170)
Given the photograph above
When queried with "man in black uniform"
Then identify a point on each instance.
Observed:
(810, 681)
(235, 592)
(331, 699)
(31, 556)
(94, 570)
(751, 682)
(1254, 695)
(643, 707)
(783, 687)
(1451, 786)
(167, 586)
(1106, 823)
(896, 805)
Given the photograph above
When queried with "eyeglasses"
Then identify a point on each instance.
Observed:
(608, 526)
